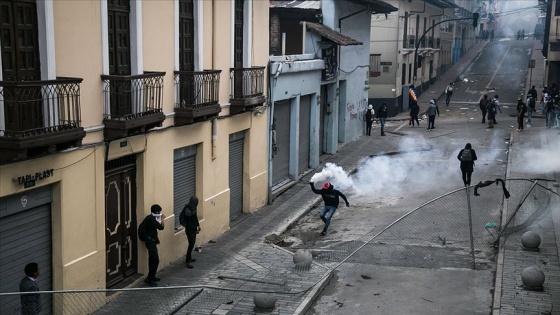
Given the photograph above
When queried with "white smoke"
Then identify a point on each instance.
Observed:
(415, 167)
(541, 161)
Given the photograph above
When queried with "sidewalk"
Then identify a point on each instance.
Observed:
(240, 258)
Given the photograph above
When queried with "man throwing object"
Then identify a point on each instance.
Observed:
(331, 198)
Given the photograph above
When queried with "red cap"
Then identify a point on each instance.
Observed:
(326, 185)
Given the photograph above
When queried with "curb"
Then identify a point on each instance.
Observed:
(498, 280)
(310, 298)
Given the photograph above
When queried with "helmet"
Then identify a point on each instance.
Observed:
(432, 102)
(326, 185)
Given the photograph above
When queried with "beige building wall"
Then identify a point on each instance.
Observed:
(77, 233)
(78, 209)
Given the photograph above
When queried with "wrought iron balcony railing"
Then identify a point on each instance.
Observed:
(247, 88)
(39, 114)
(197, 94)
(39, 107)
(132, 103)
(132, 96)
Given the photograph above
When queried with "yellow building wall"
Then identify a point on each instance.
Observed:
(78, 207)
(158, 46)
(77, 28)
(78, 221)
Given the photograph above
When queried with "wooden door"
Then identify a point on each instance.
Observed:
(20, 62)
(238, 47)
(120, 223)
(186, 51)
(118, 19)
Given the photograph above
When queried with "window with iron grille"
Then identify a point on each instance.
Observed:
(374, 66)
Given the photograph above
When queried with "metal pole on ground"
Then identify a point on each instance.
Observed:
(470, 226)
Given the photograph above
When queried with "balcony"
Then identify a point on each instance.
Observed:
(39, 117)
(132, 104)
(198, 94)
(247, 89)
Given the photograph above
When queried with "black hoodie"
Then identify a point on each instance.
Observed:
(330, 196)
(192, 223)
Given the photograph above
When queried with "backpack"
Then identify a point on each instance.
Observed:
(492, 106)
(142, 235)
(183, 217)
(531, 102)
(466, 155)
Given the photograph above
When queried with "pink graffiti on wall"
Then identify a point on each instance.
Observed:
(356, 112)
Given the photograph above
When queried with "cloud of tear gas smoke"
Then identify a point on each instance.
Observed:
(335, 175)
(392, 175)
(541, 161)
(515, 16)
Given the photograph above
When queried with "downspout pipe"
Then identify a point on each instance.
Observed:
(270, 112)
(214, 137)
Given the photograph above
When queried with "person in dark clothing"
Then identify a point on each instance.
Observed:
(382, 116)
(483, 104)
(533, 92)
(414, 110)
(331, 198)
(192, 228)
(431, 111)
(154, 222)
(30, 303)
(448, 93)
(369, 119)
(467, 156)
(521, 110)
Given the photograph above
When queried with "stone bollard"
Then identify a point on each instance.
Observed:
(264, 301)
(303, 259)
(533, 278)
(530, 241)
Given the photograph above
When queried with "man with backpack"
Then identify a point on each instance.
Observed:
(493, 108)
(147, 232)
(467, 156)
(448, 93)
(189, 219)
(483, 104)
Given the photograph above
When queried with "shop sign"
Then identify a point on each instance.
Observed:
(30, 179)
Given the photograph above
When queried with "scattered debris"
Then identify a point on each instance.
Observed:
(366, 277)
(339, 303)
(427, 300)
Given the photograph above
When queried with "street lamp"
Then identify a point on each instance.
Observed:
(475, 23)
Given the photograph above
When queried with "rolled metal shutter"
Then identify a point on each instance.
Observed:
(281, 159)
(184, 179)
(304, 123)
(25, 229)
(236, 141)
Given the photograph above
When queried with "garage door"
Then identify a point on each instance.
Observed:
(281, 154)
(236, 141)
(25, 226)
(184, 179)
(304, 115)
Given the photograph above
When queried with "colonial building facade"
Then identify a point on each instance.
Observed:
(110, 106)
(396, 41)
(318, 81)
